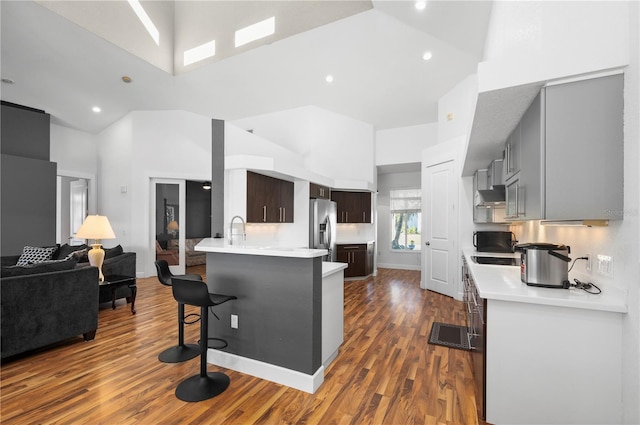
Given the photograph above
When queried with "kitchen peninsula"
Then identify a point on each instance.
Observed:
(289, 311)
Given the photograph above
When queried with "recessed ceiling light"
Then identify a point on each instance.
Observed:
(256, 31)
(421, 5)
(126, 79)
(200, 52)
(96, 109)
(329, 78)
(8, 81)
(427, 55)
(146, 20)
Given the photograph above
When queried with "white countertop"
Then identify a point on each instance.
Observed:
(223, 246)
(329, 268)
(503, 283)
(349, 242)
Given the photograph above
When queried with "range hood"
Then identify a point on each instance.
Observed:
(490, 197)
(490, 186)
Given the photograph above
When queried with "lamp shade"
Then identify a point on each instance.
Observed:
(95, 227)
(173, 225)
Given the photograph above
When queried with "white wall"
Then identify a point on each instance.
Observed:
(115, 163)
(76, 154)
(74, 150)
(395, 146)
(327, 142)
(530, 41)
(141, 146)
(404, 145)
(456, 109)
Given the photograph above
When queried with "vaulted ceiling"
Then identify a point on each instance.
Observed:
(67, 56)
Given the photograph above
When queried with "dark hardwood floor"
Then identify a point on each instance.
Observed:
(386, 372)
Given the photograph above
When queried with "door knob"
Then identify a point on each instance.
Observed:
(427, 243)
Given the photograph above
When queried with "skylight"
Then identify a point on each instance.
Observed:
(146, 20)
(200, 52)
(256, 31)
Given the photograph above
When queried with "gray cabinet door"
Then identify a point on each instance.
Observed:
(531, 196)
(584, 149)
(512, 154)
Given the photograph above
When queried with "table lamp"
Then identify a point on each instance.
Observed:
(172, 227)
(96, 227)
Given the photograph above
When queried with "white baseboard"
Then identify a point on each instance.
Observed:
(280, 375)
(399, 266)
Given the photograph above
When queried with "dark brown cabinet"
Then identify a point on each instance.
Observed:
(317, 191)
(359, 258)
(353, 207)
(269, 200)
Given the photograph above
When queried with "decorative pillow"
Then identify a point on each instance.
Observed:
(78, 255)
(42, 267)
(113, 252)
(66, 249)
(32, 255)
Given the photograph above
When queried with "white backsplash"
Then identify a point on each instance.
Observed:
(355, 232)
(584, 241)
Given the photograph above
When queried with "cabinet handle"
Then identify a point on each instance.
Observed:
(509, 158)
(264, 214)
(347, 215)
(363, 216)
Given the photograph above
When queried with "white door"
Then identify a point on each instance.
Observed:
(78, 204)
(167, 240)
(439, 262)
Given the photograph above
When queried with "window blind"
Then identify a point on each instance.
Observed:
(402, 200)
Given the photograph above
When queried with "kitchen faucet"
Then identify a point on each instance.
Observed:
(244, 231)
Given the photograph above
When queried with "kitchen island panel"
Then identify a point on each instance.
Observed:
(278, 307)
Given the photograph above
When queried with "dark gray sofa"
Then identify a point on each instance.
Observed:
(40, 309)
(43, 308)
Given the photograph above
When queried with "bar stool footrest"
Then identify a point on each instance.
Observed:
(219, 340)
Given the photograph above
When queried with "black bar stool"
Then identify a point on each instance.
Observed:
(181, 352)
(205, 385)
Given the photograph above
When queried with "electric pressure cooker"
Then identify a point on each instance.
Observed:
(544, 264)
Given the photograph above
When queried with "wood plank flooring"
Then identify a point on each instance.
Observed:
(386, 372)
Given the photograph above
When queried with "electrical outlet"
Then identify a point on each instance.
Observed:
(605, 265)
(234, 321)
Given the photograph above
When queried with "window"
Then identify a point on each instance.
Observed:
(406, 219)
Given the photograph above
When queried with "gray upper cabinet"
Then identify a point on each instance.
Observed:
(511, 160)
(584, 149)
(571, 151)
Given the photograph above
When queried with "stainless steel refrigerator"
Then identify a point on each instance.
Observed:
(322, 226)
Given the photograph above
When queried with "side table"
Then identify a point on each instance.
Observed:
(113, 282)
